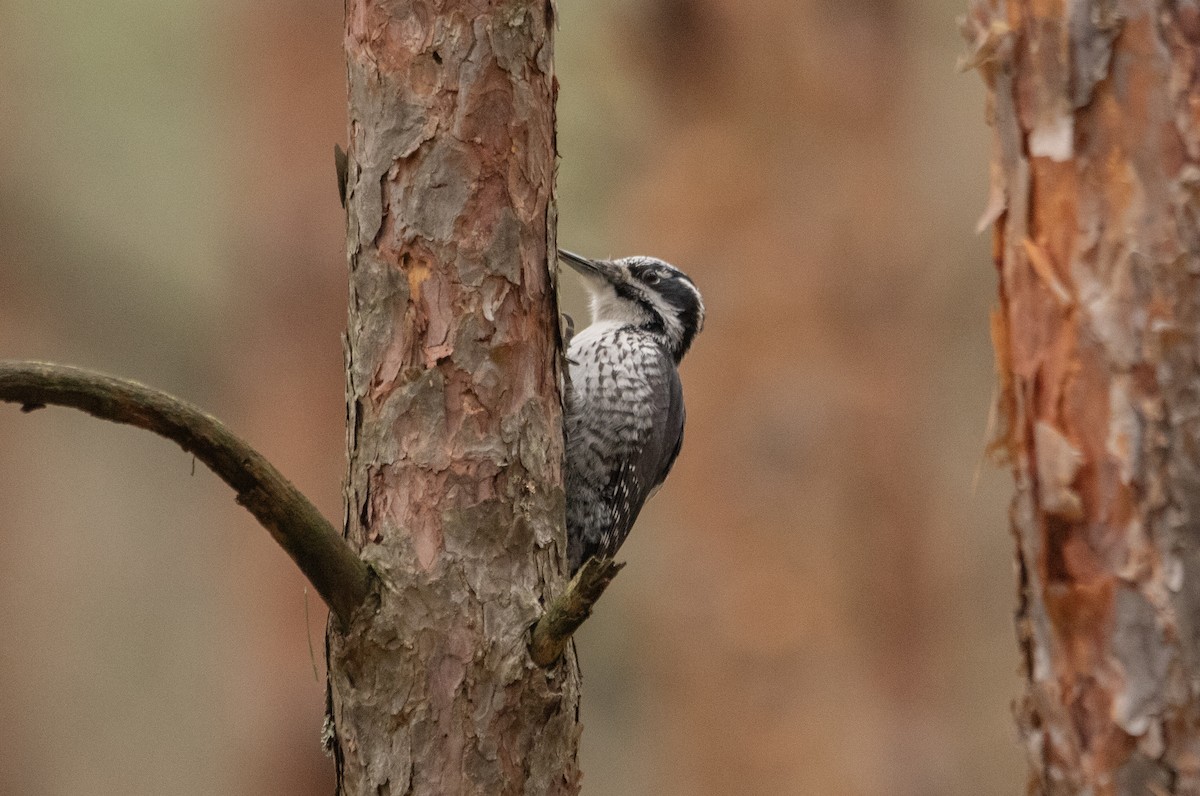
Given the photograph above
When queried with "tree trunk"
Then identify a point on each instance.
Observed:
(1096, 113)
(454, 494)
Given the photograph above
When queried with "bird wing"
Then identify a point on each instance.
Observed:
(635, 480)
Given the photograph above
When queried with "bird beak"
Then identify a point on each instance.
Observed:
(589, 268)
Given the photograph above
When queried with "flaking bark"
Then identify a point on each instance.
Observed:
(454, 492)
(1095, 108)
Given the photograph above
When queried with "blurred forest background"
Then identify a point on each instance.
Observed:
(818, 602)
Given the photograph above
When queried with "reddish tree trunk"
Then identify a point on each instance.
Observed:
(1096, 111)
(455, 489)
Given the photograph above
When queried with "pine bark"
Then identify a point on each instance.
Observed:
(1095, 107)
(454, 493)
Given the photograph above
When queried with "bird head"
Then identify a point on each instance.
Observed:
(645, 292)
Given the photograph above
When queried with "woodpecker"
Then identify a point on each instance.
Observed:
(624, 405)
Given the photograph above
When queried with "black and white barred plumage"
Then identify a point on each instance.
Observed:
(624, 416)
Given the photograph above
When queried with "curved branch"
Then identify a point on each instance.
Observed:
(341, 578)
(568, 611)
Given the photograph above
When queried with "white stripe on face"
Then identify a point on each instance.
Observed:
(699, 301)
(668, 313)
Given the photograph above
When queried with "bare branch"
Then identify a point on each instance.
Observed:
(570, 609)
(341, 578)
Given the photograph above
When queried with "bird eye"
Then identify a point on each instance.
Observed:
(653, 278)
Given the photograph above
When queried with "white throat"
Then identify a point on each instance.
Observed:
(606, 305)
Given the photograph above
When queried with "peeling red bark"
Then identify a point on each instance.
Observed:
(454, 493)
(1094, 109)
